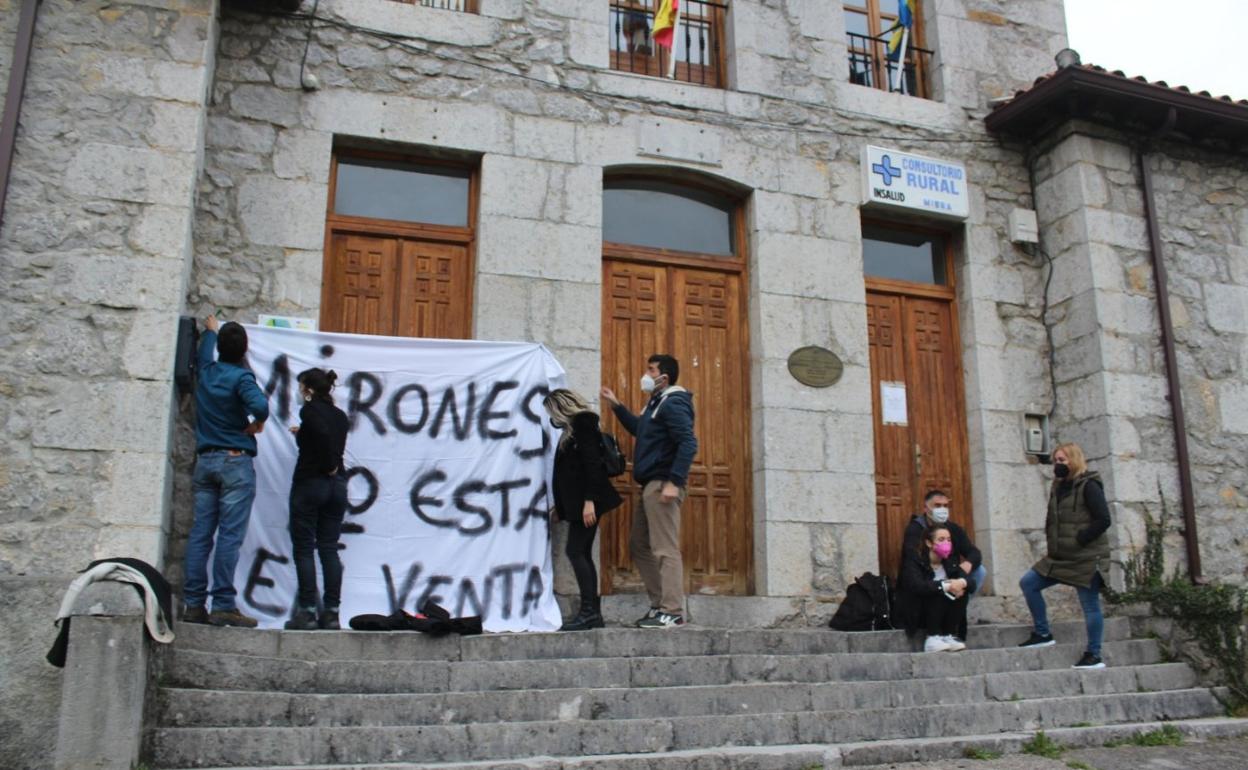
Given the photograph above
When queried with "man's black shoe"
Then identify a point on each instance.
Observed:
(195, 615)
(304, 620)
(1090, 661)
(1038, 640)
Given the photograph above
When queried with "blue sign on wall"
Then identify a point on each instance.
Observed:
(896, 179)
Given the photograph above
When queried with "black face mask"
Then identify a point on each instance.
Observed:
(1061, 470)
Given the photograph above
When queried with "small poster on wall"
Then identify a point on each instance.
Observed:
(288, 322)
(893, 402)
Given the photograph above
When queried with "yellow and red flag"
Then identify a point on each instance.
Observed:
(664, 30)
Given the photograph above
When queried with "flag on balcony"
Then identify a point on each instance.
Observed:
(901, 30)
(664, 32)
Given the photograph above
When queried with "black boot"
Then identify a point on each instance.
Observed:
(588, 617)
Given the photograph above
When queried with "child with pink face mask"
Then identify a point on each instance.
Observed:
(934, 591)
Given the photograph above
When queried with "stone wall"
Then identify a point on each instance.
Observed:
(1111, 371)
(523, 91)
(94, 255)
(1202, 209)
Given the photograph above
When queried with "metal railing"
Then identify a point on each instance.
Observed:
(698, 48)
(466, 6)
(869, 65)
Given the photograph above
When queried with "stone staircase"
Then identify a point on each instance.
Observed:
(624, 698)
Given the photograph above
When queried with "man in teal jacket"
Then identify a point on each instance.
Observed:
(230, 409)
(663, 451)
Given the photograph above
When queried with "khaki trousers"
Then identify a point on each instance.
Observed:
(655, 547)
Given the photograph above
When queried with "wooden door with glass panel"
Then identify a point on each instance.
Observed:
(398, 255)
(916, 382)
(674, 282)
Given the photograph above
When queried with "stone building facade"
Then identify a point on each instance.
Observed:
(174, 158)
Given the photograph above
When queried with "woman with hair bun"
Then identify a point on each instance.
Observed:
(318, 500)
(583, 493)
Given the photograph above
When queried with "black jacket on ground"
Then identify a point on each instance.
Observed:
(918, 585)
(579, 472)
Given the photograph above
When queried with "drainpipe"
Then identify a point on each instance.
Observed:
(1172, 368)
(13, 100)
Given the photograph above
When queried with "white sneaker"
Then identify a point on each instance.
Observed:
(935, 644)
(955, 645)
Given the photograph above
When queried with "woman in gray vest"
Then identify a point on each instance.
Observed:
(1078, 550)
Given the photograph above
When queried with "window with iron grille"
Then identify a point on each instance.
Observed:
(699, 41)
(467, 6)
(869, 25)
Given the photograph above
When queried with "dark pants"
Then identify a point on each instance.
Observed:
(316, 509)
(580, 552)
(942, 617)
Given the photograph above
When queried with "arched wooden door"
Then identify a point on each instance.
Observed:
(692, 306)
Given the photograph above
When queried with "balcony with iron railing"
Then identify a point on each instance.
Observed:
(699, 48)
(870, 65)
(466, 6)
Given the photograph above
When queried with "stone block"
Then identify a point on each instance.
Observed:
(792, 440)
(474, 127)
(1226, 307)
(586, 44)
(175, 127)
(275, 212)
(150, 345)
(787, 570)
(816, 20)
(296, 285)
(30, 698)
(265, 103)
(1116, 229)
(162, 231)
(1075, 187)
(502, 9)
(775, 212)
(415, 21)
(819, 496)
(1081, 148)
(132, 76)
(508, 246)
(1233, 406)
(1016, 497)
(136, 490)
(849, 442)
(545, 139)
(119, 282)
(104, 694)
(774, 387)
(679, 140)
(139, 542)
(808, 267)
(131, 174)
(303, 155)
(242, 135)
(787, 322)
(109, 416)
(659, 89)
(514, 187)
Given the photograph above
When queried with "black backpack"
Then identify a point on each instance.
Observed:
(612, 457)
(867, 605)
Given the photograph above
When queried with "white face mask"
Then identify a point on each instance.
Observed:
(940, 515)
(647, 383)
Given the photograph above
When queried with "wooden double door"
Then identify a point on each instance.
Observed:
(919, 411)
(396, 285)
(698, 316)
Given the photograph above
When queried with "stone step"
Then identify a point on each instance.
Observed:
(197, 669)
(822, 756)
(229, 708)
(606, 643)
(266, 746)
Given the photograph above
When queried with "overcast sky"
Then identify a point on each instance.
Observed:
(1200, 44)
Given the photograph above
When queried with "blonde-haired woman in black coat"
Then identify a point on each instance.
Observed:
(583, 494)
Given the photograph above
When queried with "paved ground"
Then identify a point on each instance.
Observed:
(1231, 754)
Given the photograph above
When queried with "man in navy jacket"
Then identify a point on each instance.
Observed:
(663, 451)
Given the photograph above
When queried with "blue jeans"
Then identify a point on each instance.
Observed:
(1033, 583)
(224, 487)
(978, 576)
(317, 506)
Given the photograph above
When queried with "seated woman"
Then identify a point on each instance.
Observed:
(933, 591)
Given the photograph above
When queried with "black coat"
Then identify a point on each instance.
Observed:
(579, 472)
(963, 548)
(918, 584)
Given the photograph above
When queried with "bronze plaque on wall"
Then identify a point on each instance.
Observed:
(815, 366)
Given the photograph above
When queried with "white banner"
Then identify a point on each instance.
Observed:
(449, 456)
